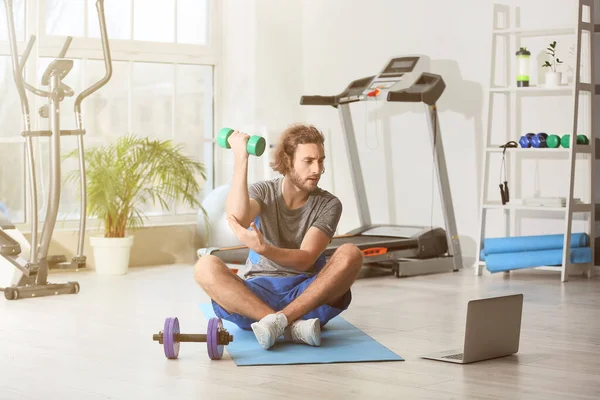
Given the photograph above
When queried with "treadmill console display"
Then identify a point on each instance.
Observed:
(397, 70)
(400, 65)
(382, 84)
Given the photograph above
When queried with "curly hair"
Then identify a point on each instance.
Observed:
(288, 142)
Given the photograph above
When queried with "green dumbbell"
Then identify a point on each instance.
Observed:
(553, 141)
(256, 144)
(566, 140)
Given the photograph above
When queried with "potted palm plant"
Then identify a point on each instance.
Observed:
(123, 177)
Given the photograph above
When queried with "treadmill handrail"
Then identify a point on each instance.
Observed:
(352, 93)
(318, 100)
(427, 89)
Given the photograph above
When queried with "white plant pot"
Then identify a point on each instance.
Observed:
(553, 79)
(111, 255)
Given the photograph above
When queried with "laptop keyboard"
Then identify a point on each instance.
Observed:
(458, 356)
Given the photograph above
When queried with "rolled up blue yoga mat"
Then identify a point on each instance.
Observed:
(532, 243)
(519, 260)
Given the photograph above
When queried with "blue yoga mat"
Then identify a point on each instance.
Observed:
(340, 342)
(520, 260)
(531, 243)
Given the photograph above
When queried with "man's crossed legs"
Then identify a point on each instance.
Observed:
(251, 306)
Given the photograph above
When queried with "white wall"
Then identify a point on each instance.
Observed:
(274, 52)
(262, 73)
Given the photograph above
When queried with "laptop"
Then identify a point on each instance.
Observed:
(492, 330)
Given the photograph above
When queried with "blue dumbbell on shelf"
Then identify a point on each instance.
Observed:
(534, 140)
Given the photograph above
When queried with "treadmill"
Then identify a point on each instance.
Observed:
(407, 250)
(410, 250)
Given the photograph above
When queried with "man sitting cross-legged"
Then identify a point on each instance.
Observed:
(287, 222)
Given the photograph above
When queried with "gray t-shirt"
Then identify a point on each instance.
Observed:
(285, 228)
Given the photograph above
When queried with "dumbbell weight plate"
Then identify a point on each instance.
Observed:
(553, 141)
(223, 136)
(539, 140)
(582, 139)
(565, 141)
(215, 350)
(525, 140)
(256, 145)
(170, 345)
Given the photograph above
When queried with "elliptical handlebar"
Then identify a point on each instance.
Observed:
(20, 81)
(77, 108)
(32, 89)
(107, 63)
(18, 66)
(63, 52)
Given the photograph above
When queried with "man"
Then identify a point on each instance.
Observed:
(286, 223)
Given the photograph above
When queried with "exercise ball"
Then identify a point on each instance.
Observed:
(219, 233)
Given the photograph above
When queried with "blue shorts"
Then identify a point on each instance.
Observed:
(278, 292)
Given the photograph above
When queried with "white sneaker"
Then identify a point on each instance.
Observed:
(269, 328)
(305, 331)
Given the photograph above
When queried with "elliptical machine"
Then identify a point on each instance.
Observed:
(20, 277)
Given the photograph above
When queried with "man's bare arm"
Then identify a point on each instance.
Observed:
(314, 244)
(238, 201)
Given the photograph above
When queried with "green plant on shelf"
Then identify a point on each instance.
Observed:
(551, 51)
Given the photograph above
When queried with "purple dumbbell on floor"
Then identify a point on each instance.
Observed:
(216, 337)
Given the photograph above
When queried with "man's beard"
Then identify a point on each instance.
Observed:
(299, 183)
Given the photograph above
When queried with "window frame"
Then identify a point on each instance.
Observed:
(135, 50)
(128, 51)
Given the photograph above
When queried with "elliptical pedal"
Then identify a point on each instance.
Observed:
(60, 263)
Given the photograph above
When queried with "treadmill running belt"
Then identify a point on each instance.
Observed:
(238, 255)
(364, 242)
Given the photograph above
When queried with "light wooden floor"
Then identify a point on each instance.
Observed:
(98, 344)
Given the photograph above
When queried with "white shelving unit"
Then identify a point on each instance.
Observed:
(506, 21)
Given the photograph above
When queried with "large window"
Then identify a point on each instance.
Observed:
(164, 56)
